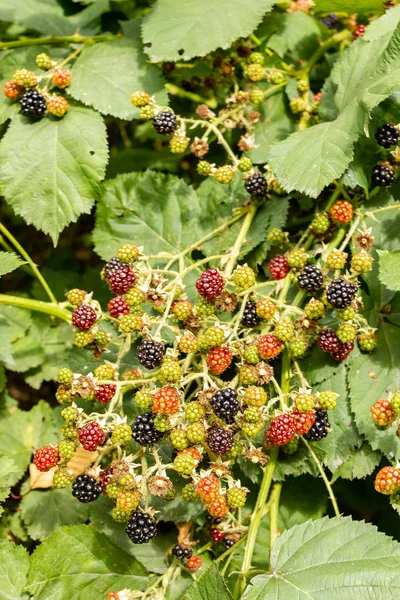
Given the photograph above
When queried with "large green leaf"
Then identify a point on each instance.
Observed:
(9, 476)
(295, 33)
(50, 170)
(359, 464)
(9, 262)
(45, 16)
(208, 586)
(275, 124)
(180, 31)
(389, 269)
(106, 74)
(79, 563)
(330, 559)
(357, 6)
(363, 77)
(14, 563)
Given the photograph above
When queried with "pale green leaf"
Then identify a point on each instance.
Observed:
(330, 559)
(208, 586)
(296, 33)
(179, 31)
(14, 563)
(79, 563)
(275, 124)
(45, 16)
(50, 170)
(389, 269)
(106, 74)
(359, 464)
(356, 6)
(9, 262)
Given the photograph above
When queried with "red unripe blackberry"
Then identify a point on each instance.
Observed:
(342, 211)
(141, 527)
(278, 266)
(219, 440)
(217, 507)
(194, 563)
(225, 404)
(387, 135)
(250, 317)
(123, 280)
(387, 481)
(83, 317)
(328, 341)
(112, 266)
(256, 185)
(383, 413)
(382, 175)
(143, 430)
(343, 351)
(86, 489)
(219, 359)
(166, 401)
(91, 436)
(150, 354)
(281, 429)
(303, 421)
(319, 430)
(118, 306)
(105, 393)
(61, 78)
(45, 458)
(165, 122)
(210, 284)
(12, 90)
(310, 279)
(216, 535)
(359, 32)
(269, 346)
(207, 488)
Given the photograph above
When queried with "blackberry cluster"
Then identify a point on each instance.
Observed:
(165, 122)
(225, 404)
(387, 135)
(340, 294)
(141, 528)
(250, 317)
(320, 428)
(33, 104)
(219, 440)
(256, 185)
(143, 430)
(86, 489)
(150, 354)
(310, 279)
(181, 553)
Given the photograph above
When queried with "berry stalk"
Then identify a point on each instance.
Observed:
(37, 305)
(240, 239)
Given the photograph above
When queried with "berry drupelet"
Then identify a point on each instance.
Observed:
(150, 354)
(219, 440)
(340, 293)
(250, 317)
(382, 175)
(210, 284)
(143, 430)
(310, 279)
(86, 489)
(256, 185)
(165, 122)
(320, 428)
(141, 527)
(33, 104)
(225, 404)
(387, 135)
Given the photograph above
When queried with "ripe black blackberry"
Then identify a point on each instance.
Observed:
(165, 122)
(86, 489)
(320, 428)
(225, 404)
(382, 175)
(250, 317)
(112, 266)
(219, 440)
(33, 104)
(141, 527)
(228, 542)
(256, 185)
(150, 354)
(341, 294)
(387, 135)
(329, 21)
(310, 279)
(181, 553)
(143, 430)
(328, 341)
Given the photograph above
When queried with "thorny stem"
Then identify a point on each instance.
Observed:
(324, 477)
(240, 240)
(37, 305)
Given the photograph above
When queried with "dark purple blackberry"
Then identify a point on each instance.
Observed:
(310, 279)
(228, 543)
(341, 294)
(112, 266)
(328, 341)
(387, 135)
(141, 527)
(143, 430)
(165, 122)
(150, 354)
(219, 440)
(225, 404)
(382, 175)
(33, 104)
(122, 281)
(343, 351)
(256, 185)
(329, 21)
(320, 428)
(86, 489)
(181, 553)
(250, 317)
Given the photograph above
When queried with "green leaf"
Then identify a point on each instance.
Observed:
(84, 564)
(363, 76)
(51, 170)
(359, 464)
(106, 74)
(275, 124)
(208, 586)
(9, 476)
(45, 16)
(329, 559)
(44, 511)
(389, 269)
(295, 33)
(14, 563)
(179, 31)
(357, 6)
(9, 262)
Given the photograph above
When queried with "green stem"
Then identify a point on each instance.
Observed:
(240, 240)
(324, 477)
(28, 259)
(175, 90)
(333, 41)
(52, 41)
(44, 307)
(274, 514)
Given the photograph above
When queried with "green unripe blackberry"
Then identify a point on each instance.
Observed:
(182, 309)
(105, 371)
(251, 429)
(320, 223)
(64, 394)
(195, 432)
(256, 58)
(127, 500)
(128, 253)
(144, 398)
(251, 415)
(131, 322)
(204, 308)
(169, 496)
(61, 480)
(25, 78)
(188, 494)
(336, 260)
(140, 99)
(265, 309)
(236, 497)
(120, 516)
(347, 314)
(65, 375)
(147, 113)
(214, 336)
(346, 332)
(161, 423)
(188, 343)
(327, 399)
(70, 414)
(303, 85)
(298, 347)
(361, 262)
(255, 396)
(122, 434)
(184, 463)
(315, 309)
(395, 401)
(234, 452)
(284, 330)
(304, 402)
(243, 278)
(102, 338)
(44, 61)
(245, 164)
(275, 76)
(367, 341)
(179, 439)
(224, 174)
(194, 411)
(69, 431)
(203, 167)
(248, 375)
(276, 237)
(298, 105)
(178, 144)
(297, 258)
(256, 96)
(291, 446)
(170, 371)
(83, 338)
(255, 72)
(250, 354)
(112, 490)
(135, 297)
(66, 449)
